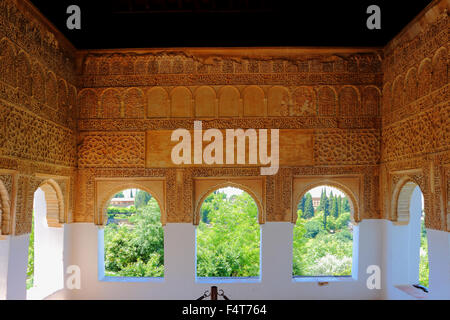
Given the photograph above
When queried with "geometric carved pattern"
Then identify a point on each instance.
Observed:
(416, 115)
(160, 62)
(112, 150)
(124, 94)
(346, 147)
(27, 185)
(5, 204)
(31, 138)
(422, 134)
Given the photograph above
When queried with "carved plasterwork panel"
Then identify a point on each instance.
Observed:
(446, 198)
(27, 185)
(112, 150)
(200, 101)
(347, 147)
(372, 113)
(6, 210)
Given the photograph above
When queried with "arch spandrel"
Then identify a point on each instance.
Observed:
(55, 203)
(401, 198)
(349, 185)
(106, 189)
(254, 187)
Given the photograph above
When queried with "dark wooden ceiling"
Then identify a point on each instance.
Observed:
(191, 6)
(224, 23)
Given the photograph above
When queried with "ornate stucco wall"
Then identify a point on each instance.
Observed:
(416, 116)
(332, 95)
(37, 114)
(377, 118)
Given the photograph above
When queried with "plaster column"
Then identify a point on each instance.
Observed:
(276, 253)
(13, 267)
(179, 253)
(439, 259)
(4, 258)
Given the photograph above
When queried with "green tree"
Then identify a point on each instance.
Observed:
(30, 269)
(207, 206)
(345, 205)
(141, 199)
(339, 205)
(136, 249)
(323, 195)
(335, 207)
(325, 210)
(229, 246)
(317, 252)
(119, 195)
(301, 204)
(309, 208)
(424, 268)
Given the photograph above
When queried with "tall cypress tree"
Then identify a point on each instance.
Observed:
(308, 213)
(323, 196)
(345, 205)
(339, 205)
(326, 205)
(331, 202)
(335, 207)
(301, 204)
(326, 210)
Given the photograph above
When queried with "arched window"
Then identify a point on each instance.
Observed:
(45, 272)
(323, 234)
(228, 236)
(409, 239)
(133, 237)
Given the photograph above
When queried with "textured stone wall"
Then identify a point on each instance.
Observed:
(416, 115)
(334, 94)
(37, 111)
(380, 116)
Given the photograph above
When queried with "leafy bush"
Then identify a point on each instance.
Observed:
(331, 265)
(229, 246)
(30, 269)
(323, 250)
(424, 268)
(136, 250)
(120, 210)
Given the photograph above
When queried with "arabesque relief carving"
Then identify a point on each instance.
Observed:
(79, 117)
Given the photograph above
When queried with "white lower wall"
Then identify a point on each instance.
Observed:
(13, 267)
(439, 257)
(48, 252)
(376, 243)
(401, 256)
(180, 283)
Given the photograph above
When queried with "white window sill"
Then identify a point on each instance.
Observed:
(37, 293)
(412, 291)
(228, 280)
(131, 279)
(300, 279)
